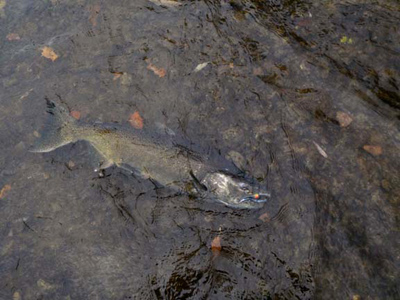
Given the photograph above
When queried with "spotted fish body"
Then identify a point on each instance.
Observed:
(151, 155)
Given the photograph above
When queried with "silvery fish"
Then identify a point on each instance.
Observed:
(151, 155)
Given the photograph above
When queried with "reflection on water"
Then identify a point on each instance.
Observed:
(302, 96)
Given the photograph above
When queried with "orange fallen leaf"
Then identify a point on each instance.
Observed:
(216, 246)
(158, 71)
(4, 190)
(136, 120)
(343, 118)
(75, 114)
(94, 11)
(372, 149)
(49, 53)
(13, 37)
(264, 217)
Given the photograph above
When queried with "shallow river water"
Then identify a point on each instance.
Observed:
(301, 95)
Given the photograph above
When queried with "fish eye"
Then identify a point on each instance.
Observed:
(244, 187)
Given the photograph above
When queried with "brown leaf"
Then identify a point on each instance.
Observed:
(264, 217)
(373, 149)
(13, 37)
(75, 114)
(343, 118)
(4, 190)
(216, 245)
(94, 11)
(158, 71)
(136, 120)
(49, 53)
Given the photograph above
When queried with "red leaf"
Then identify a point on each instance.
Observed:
(136, 120)
(75, 114)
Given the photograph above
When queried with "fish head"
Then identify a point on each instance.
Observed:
(234, 191)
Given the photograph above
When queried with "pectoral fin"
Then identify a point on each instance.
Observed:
(104, 165)
(198, 185)
(130, 169)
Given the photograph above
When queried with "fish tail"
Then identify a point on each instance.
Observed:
(58, 129)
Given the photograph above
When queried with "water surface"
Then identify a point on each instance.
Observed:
(303, 96)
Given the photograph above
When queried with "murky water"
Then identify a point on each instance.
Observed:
(303, 96)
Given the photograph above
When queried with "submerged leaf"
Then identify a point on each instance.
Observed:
(94, 11)
(16, 296)
(4, 190)
(26, 94)
(320, 150)
(117, 75)
(158, 71)
(373, 149)
(346, 40)
(216, 246)
(49, 53)
(169, 3)
(44, 285)
(136, 120)
(343, 118)
(264, 217)
(200, 67)
(75, 114)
